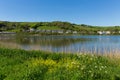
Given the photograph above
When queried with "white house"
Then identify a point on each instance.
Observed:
(54, 31)
(48, 31)
(100, 32)
(60, 31)
(68, 31)
(104, 32)
(107, 32)
(74, 32)
(32, 29)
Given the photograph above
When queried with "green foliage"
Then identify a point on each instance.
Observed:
(36, 65)
(55, 25)
(48, 28)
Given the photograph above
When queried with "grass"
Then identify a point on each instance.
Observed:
(18, 64)
(49, 28)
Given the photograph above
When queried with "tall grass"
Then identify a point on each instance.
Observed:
(16, 64)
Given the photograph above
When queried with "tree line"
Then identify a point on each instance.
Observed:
(82, 28)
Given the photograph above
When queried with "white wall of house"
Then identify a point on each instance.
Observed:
(108, 32)
(104, 32)
(60, 32)
(100, 32)
(75, 32)
(32, 29)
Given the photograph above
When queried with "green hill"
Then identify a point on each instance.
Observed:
(55, 25)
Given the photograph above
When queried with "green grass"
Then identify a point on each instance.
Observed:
(49, 28)
(18, 64)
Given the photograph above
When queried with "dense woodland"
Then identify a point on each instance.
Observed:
(55, 25)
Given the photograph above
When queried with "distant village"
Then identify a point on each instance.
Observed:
(71, 31)
(56, 28)
(53, 31)
(32, 30)
(107, 32)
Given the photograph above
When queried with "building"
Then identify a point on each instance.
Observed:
(60, 31)
(100, 32)
(104, 32)
(54, 31)
(48, 31)
(75, 32)
(32, 29)
(107, 32)
(68, 31)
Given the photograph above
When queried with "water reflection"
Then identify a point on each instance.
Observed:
(55, 41)
(75, 44)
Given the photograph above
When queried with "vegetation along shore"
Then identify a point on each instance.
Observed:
(56, 27)
(16, 64)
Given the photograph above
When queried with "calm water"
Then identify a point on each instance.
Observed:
(74, 43)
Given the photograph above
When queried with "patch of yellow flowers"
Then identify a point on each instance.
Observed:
(48, 62)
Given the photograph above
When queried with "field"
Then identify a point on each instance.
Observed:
(48, 28)
(18, 64)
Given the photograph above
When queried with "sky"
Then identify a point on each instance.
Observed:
(90, 12)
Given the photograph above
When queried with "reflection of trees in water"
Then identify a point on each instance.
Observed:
(49, 40)
(7, 38)
(8, 41)
(62, 43)
(50, 43)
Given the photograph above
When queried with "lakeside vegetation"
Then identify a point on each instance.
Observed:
(18, 64)
(55, 25)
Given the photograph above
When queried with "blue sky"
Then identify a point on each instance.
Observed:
(91, 12)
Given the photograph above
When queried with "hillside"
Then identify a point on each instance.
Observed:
(55, 25)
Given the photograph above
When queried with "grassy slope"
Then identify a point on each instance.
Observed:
(49, 28)
(37, 65)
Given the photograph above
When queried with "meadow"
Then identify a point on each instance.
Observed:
(16, 64)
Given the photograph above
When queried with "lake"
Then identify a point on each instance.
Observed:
(66, 44)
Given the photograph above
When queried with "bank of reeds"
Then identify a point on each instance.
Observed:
(16, 64)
